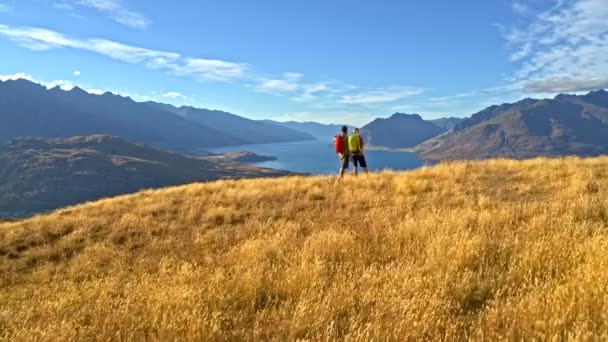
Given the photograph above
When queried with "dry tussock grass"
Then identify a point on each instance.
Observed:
(472, 250)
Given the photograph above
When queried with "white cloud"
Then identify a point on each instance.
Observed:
(125, 53)
(384, 95)
(94, 91)
(289, 82)
(63, 84)
(520, 8)
(36, 38)
(115, 9)
(563, 49)
(206, 69)
(16, 76)
(63, 6)
(76, 72)
(209, 69)
(566, 84)
(310, 92)
(174, 95)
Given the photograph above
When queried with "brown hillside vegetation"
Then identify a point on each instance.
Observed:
(470, 250)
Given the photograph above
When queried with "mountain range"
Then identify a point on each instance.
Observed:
(38, 174)
(318, 130)
(250, 131)
(31, 110)
(399, 131)
(564, 125)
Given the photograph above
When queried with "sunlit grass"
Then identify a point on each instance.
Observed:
(471, 250)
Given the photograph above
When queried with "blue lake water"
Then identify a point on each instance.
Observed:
(318, 157)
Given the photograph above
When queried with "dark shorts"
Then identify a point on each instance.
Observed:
(359, 159)
(344, 161)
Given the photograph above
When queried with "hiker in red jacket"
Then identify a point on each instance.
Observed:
(341, 148)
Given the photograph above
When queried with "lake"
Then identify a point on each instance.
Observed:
(318, 157)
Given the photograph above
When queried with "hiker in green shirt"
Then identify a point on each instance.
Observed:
(355, 146)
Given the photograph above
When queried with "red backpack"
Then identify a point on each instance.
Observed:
(338, 144)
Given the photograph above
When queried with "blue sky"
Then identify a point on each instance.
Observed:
(327, 61)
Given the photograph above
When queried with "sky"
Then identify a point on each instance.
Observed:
(338, 61)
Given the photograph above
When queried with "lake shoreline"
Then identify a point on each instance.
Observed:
(318, 157)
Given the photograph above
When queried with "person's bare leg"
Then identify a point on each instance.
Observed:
(355, 171)
(341, 174)
(365, 170)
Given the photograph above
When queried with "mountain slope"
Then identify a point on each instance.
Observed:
(461, 251)
(399, 131)
(29, 109)
(251, 131)
(447, 123)
(565, 125)
(42, 174)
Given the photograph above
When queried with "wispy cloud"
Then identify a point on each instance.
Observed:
(563, 49)
(206, 69)
(174, 95)
(292, 84)
(287, 83)
(76, 73)
(115, 9)
(520, 8)
(383, 95)
(63, 6)
(310, 92)
(566, 84)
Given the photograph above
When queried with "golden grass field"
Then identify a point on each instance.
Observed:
(488, 250)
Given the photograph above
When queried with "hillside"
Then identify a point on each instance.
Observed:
(493, 250)
(565, 125)
(447, 123)
(39, 174)
(399, 131)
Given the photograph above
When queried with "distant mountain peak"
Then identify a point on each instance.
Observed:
(404, 115)
(562, 97)
(399, 131)
(78, 90)
(597, 93)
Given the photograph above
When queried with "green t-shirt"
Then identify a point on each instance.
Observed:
(354, 144)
